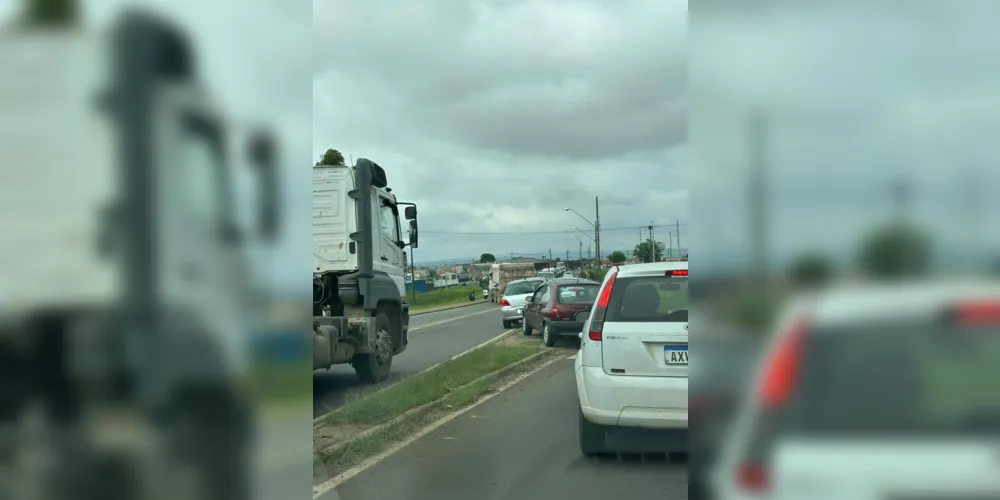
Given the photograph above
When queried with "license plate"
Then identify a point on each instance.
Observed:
(675, 355)
(520, 311)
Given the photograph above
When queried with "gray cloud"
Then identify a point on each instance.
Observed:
(856, 96)
(494, 116)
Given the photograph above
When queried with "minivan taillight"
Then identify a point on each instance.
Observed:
(781, 368)
(601, 309)
(753, 477)
(978, 312)
(504, 302)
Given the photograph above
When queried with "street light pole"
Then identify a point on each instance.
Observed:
(597, 231)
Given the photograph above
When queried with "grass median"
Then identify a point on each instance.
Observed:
(369, 425)
(440, 297)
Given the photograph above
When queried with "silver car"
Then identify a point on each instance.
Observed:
(512, 301)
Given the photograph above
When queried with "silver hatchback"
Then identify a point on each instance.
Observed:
(512, 301)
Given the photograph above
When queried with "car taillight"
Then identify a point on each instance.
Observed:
(504, 302)
(601, 309)
(753, 477)
(554, 312)
(978, 312)
(781, 370)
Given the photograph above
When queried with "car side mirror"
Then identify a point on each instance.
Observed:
(527, 299)
(413, 233)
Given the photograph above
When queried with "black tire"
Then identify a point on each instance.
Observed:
(525, 329)
(372, 368)
(548, 338)
(506, 324)
(593, 438)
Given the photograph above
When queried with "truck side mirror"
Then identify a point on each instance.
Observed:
(413, 233)
(410, 212)
(261, 149)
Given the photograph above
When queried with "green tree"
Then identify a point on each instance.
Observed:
(432, 274)
(995, 267)
(51, 13)
(331, 157)
(617, 257)
(811, 269)
(642, 250)
(487, 258)
(896, 250)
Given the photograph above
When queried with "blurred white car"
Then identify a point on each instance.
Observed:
(512, 301)
(879, 392)
(632, 368)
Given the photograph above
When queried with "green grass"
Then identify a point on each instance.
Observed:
(440, 297)
(337, 458)
(429, 386)
(281, 383)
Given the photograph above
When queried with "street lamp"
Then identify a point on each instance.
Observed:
(596, 225)
(584, 233)
(567, 209)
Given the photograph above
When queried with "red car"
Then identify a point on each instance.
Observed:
(554, 308)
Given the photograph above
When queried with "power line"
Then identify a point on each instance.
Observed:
(603, 229)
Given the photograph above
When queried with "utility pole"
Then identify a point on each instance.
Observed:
(678, 233)
(757, 139)
(652, 237)
(652, 245)
(670, 247)
(551, 264)
(413, 278)
(512, 256)
(597, 230)
(567, 256)
(590, 254)
(642, 256)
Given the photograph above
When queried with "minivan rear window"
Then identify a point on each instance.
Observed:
(578, 294)
(649, 299)
(891, 380)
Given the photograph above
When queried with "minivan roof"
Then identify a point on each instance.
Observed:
(649, 267)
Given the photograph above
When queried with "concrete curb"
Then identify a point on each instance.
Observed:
(447, 308)
(419, 411)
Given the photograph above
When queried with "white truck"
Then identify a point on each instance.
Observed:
(504, 272)
(124, 290)
(359, 270)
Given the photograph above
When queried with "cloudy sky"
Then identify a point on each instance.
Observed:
(854, 97)
(494, 116)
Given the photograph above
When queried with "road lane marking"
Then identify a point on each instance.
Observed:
(332, 484)
(449, 320)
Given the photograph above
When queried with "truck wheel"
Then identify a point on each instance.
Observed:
(593, 440)
(374, 367)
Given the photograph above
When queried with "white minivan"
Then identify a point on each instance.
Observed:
(632, 368)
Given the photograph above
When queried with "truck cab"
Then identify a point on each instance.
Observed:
(359, 268)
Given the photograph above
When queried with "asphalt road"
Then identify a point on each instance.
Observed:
(434, 337)
(520, 445)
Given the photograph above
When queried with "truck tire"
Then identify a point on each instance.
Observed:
(373, 368)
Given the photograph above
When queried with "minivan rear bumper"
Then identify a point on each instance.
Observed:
(625, 401)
